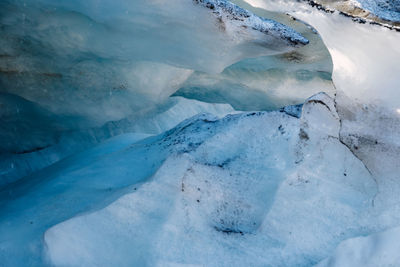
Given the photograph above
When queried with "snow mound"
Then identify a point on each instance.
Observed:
(231, 192)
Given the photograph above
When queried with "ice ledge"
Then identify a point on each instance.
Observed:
(224, 8)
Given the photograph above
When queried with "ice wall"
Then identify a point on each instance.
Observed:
(74, 74)
(269, 82)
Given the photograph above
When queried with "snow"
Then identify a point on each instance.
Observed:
(364, 56)
(213, 202)
(15, 166)
(377, 250)
(101, 166)
(367, 99)
(226, 8)
(385, 9)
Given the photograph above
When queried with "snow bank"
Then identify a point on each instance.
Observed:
(233, 194)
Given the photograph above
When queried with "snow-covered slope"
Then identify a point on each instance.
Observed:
(232, 193)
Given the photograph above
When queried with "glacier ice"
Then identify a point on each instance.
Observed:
(84, 66)
(269, 82)
(51, 148)
(124, 141)
(364, 56)
(224, 8)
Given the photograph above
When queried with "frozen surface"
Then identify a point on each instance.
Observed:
(368, 98)
(372, 133)
(361, 76)
(386, 9)
(269, 82)
(368, 103)
(385, 13)
(75, 55)
(377, 250)
(364, 56)
(50, 147)
(302, 185)
(73, 74)
(226, 198)
(224, 8)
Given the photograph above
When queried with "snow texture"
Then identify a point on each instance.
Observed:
(226, 197)
(385, 9)
(315, 182)
(224, 8)
(377, 250)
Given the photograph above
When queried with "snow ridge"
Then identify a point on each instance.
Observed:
(224, 8)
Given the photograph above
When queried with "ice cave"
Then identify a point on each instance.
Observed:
(200, 133)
